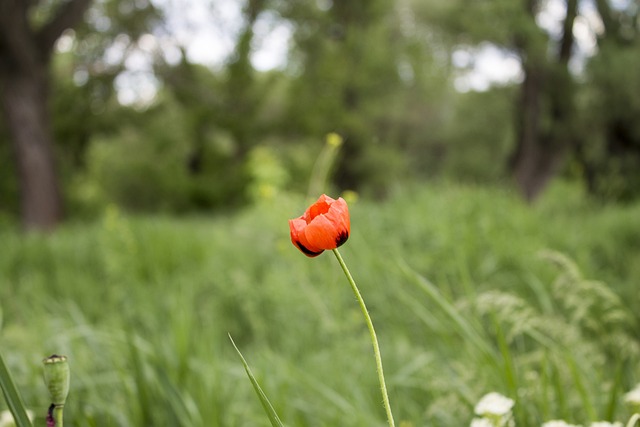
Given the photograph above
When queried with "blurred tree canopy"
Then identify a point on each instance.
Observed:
(135, 120)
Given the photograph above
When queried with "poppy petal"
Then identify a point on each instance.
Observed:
(297, 228)
(320, 207)
(322, 233)
(339, 214)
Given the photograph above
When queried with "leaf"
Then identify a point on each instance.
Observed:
(268, 408)
(11, 395)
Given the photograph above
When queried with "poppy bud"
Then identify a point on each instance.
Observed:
(325, 225)
(56, 377)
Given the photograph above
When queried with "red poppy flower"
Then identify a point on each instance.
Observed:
(325, 225)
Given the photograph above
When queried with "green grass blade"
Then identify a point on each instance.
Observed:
(268, 408)
(614, 395)
(12, 397)
(462, 324)
(633, 420)
(587, 404)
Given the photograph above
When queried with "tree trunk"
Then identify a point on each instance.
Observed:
(540, 153)
(25, 56)
(25, 104)
(533, 162)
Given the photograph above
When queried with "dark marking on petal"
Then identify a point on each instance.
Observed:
(342, 237)
(306, 251)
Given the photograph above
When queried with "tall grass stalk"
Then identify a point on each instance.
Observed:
(264, 400)
(12, 397)
(322, 168)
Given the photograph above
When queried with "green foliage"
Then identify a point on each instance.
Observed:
(147, 167)
(478, 137)
(143, 168)
(361, 72)
(462, 303)
(610, 155)
(496, 21)
(267, 175)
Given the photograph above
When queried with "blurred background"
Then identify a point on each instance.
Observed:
(181, 106)
(489, 151)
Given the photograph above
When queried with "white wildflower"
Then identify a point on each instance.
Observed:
(481, 422)
(633, 397)
(558, 423)
(6, 418)
(494, 404)
(605, 424)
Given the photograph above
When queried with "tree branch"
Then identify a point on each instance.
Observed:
(67, 16)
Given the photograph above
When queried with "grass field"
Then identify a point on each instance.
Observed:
(471, 291)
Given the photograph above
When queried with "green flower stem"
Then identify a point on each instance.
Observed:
(374, 339)
(58, 412)
(634, 419)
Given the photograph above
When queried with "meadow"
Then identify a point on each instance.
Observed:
(470, 290)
